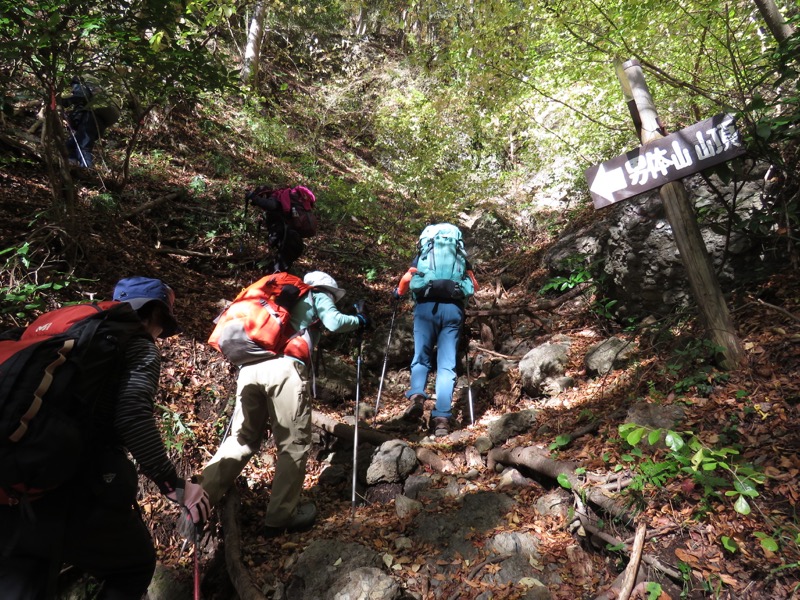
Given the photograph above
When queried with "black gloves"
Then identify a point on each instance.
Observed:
(363, 319)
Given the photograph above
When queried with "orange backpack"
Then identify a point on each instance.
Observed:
(256, 325)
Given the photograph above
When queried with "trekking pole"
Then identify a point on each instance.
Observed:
(359, 339)
(385, 362)
(469, 389)
(469, 379)
(74, 139)
(196, 564)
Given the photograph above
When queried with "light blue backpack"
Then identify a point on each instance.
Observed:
(441, 265)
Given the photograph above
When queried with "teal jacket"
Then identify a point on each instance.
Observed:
(319, 307)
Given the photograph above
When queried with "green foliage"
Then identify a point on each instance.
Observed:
(563, 284)
(691, 367)
(22, 294)
(653, 590)
(174, 431)
(561, 441)
(714, 469)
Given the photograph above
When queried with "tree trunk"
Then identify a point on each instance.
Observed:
(772, 16)
(255, 34)
(694, 255)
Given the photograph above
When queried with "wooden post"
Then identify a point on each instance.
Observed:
(703, 281)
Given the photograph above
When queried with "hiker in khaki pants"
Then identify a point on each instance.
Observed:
(273, 395)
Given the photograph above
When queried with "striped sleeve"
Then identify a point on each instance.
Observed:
(134, 422)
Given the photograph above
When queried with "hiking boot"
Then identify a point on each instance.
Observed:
(415, 409)
(302, 520)
(441, 426)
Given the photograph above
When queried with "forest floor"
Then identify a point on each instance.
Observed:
(725, 554)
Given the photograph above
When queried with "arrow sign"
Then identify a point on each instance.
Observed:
(605, 183)
(697, 147)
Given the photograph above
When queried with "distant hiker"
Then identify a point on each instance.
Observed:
(90, 111)
(272, 392)
(92, 521)
(441, 282)
(289, 216)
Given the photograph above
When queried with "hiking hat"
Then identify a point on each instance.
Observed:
(138, 291)
(324, 282)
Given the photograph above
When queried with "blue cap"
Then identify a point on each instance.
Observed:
(138, 291)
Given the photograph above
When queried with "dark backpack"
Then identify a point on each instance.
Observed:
(292, 206)
(441, 265)
(256, 325)
(58, 381)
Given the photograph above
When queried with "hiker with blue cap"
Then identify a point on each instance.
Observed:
(92, 521)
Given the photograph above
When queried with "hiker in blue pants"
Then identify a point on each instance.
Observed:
(441, 281)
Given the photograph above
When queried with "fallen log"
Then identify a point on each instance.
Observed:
(152, 204)
(346, 432)
(633, 565)
(182, 252)
(240, 576)
(539, 305)
(537, 460)
(431, 459)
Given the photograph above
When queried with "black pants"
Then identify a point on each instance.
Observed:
(72, 526)
(86, 127)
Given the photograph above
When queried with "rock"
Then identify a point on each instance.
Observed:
(557, 503)
(365, 583)
(548, 360)
(610, 354)
(323, 568)
(512, 542)
(391, 463)
(511, 424)
(655, 416)
(483, 444)
(416, 484)
(511, 479)
(405, 507)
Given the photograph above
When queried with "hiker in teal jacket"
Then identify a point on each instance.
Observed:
(274, 394)
(438, 319)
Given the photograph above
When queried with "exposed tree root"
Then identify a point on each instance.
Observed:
(535, 459)
(346, 432)
(240, 577)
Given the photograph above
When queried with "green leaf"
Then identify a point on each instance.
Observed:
(653, 590)
(563, 481)
(744, 487)
(728, 544)
(653, 437)
(674, 441)
(635, 436)
(741, 506)
(563, 440)
(769, 544)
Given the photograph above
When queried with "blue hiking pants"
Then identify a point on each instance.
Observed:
(436, 325)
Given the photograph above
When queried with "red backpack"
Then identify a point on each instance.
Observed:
(58, 379)
(256, 325)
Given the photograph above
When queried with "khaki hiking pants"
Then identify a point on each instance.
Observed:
(270, 395)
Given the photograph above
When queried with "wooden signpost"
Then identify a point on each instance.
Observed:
(665, 159)
(662, 161)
